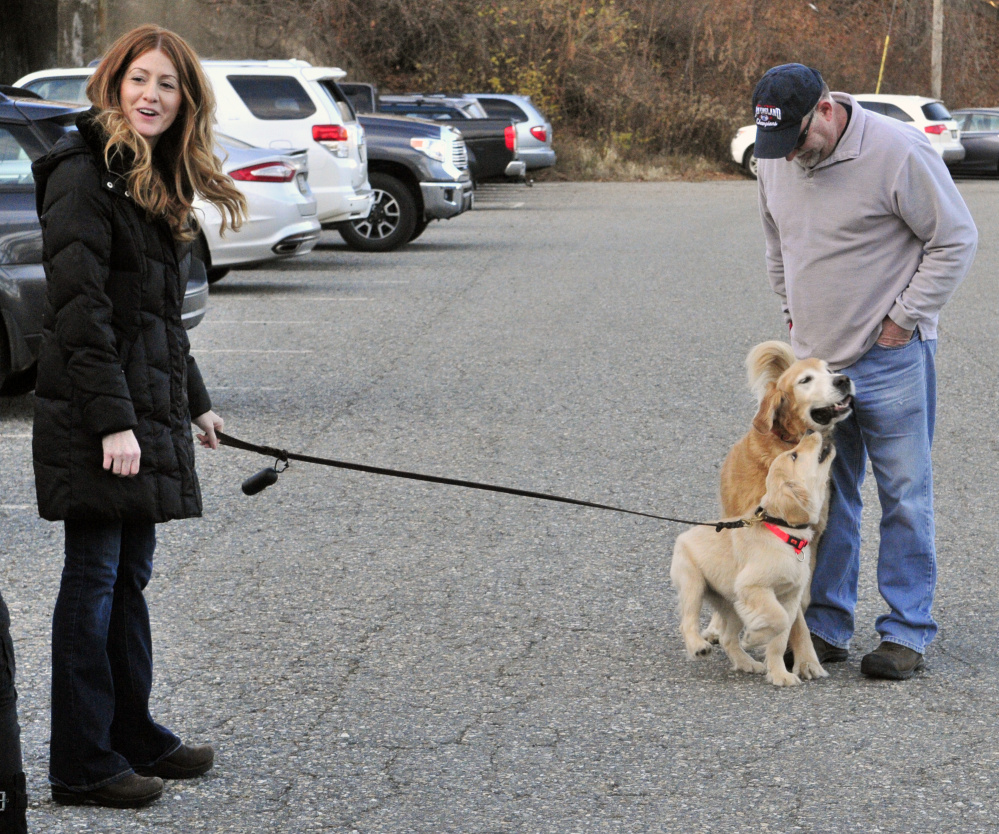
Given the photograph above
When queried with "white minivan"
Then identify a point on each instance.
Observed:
(277, 104)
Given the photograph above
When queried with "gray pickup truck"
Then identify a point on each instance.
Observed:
(419, 172)
(491, 142)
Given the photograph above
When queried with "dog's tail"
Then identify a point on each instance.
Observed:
(764, 365)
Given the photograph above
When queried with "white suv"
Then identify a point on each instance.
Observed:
(926, 114)
(273, 104)
(282, 104)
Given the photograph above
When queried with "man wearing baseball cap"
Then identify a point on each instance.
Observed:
(867, 238)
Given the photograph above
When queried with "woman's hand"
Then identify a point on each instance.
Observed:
(209, 423)
(121, 453)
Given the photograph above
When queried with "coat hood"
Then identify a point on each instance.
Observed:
(89, 137)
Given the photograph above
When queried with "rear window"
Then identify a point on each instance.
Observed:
(61, 89)
(873, 106)
(273, 97)
(498, 108)
(936, 112)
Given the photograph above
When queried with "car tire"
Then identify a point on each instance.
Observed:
(749, 161)
(391, 222)
(201, 252)
(419, 229)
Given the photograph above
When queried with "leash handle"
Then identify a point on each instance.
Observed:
(282, 455)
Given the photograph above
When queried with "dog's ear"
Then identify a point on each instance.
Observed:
(770, 402)
(791, 502)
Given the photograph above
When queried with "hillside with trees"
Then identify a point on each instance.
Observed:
(659, 85)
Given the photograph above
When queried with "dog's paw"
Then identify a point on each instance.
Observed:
(810, 670)
(698, 648)
(781, 677)
(747, 664)
(711, 635)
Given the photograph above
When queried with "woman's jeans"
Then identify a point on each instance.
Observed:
(892, 423)
(10, 731)
(102, 658)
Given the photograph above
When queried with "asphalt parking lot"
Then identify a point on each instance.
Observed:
(370, 654)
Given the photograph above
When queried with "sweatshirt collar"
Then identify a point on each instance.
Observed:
(849, 143)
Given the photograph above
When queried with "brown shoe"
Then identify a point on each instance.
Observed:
(825, 652)
(183, 763)
(133, 791)
(891, 661)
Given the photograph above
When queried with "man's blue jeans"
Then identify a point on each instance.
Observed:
(892, 423)
(102, 658)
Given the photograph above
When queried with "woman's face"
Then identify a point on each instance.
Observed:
(150, 94)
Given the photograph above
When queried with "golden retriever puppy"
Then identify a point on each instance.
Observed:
(794, 396)
(754, 576)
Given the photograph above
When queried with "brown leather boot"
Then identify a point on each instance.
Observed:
(133, 791)
(891, 661)
(183, 763)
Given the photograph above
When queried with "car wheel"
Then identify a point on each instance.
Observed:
(391, 222)
(419, 229)
(749, 161)
(201, 252)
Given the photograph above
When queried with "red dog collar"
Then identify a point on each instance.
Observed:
(798, 544)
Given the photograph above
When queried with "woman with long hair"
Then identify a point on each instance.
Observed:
(116, 393)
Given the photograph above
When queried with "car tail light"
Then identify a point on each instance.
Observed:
(510, 135)
(333, 138)
(539, 133)
(329, 133)
(265, 172)
(936, 130)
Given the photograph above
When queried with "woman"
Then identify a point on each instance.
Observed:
(114, 400)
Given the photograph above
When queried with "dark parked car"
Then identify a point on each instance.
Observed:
(980, 137)
(492, 143)
(29, 126)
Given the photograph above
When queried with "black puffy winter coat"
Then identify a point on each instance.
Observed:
(115, 354)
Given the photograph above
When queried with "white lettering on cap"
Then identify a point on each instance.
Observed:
(767, 115)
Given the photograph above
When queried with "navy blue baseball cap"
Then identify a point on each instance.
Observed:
(782, 98)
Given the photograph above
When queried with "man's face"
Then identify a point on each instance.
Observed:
(821, 139)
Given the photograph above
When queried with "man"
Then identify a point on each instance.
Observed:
(866, 239)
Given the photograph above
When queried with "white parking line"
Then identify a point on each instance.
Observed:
(269, 321)
(15, 436)
(243, 350)
(17, 506)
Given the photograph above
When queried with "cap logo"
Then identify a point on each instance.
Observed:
(767, 115)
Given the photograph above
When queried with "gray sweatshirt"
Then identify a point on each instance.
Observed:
(878, 228)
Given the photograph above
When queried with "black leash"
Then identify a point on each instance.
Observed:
(266, 477)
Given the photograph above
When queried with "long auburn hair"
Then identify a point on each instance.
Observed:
(165, 181)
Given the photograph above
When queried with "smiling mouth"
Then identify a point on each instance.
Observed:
(150, 113)
(833, 413)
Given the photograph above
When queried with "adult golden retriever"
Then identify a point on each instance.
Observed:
(794, 396)
(754, 576)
